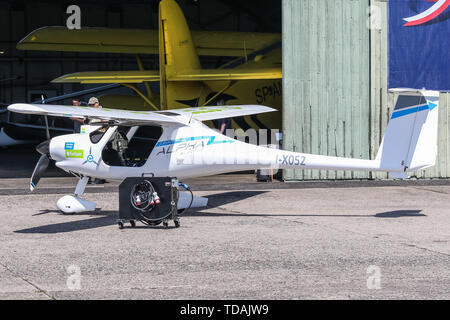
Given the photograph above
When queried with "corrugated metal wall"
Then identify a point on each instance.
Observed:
(335, 85)
(326, 82)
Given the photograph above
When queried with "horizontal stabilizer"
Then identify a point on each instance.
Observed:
(137, 76)
(227, 74)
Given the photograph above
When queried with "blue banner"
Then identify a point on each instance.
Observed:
(419, 44)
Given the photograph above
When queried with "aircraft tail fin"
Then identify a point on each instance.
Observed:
(177, 52)
(410, 140)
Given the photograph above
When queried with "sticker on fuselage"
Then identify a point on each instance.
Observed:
(70, 152)
(291, 160)
(183, 145)
(77, 154)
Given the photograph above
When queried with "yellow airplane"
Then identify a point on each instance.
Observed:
(254, 77)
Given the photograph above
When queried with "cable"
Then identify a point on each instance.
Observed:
(186, 187)
(143, 198)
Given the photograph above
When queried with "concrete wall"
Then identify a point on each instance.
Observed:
(335, 85)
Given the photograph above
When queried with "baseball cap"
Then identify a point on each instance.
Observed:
(93, 100)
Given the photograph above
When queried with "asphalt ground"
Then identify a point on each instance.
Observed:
(310, 240)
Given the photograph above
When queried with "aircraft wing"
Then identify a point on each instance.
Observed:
(127, 117)
(135, 76)
(227, 74)
(142, 41)
(121, 116)
(220, 112)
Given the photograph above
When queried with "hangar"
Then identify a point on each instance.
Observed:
(335, 96)
(335, 76)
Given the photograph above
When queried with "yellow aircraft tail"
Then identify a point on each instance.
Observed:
(183, 82)
(177, 53)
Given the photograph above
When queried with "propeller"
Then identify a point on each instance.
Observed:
(44, 149)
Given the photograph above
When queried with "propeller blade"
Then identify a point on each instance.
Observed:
(44, 148)
(40, 168)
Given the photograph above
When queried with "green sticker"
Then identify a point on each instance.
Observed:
(78, 154)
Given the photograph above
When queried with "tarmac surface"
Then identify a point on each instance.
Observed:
(311, 240)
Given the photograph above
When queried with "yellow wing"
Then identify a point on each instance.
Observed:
(142, 41)
(137, 76)
(91, 40)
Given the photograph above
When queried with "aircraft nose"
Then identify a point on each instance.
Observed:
(44, 147)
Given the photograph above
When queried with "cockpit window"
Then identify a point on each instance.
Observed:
(131, 148)
(98, 134)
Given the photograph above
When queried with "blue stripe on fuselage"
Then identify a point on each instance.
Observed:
(211, 140)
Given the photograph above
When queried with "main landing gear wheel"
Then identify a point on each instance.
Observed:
(120, 223)
(133, 223)
(177, 223)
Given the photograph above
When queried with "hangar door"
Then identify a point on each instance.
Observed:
(326, 82)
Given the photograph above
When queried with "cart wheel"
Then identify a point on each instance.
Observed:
(133, 223)
(177, 223)
(120, 223)
(165, 225)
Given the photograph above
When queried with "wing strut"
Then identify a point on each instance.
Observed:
(135, 89)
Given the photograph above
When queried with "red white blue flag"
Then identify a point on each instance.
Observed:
(419, 44)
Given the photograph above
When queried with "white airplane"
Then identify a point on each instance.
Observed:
(179, 145)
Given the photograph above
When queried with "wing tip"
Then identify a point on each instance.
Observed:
(24, 108)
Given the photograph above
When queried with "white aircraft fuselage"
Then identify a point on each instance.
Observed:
(186, 151)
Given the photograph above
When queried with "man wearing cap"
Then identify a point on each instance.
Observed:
(93, 102)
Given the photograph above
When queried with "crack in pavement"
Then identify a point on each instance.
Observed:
(430, 190)
(27, 281)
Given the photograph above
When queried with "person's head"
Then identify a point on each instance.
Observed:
(93, 102)
(76, 102)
